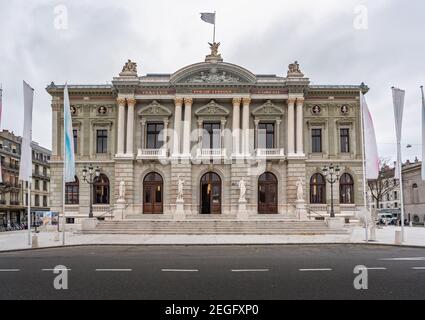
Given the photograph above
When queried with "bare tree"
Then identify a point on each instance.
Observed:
(385, 183)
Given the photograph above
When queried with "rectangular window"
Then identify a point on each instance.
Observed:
(70, 220)
(45, 171)
(37, 184)
(316, 140)
(37, 200)
(45, 201)
(101, 141)
(44, 185)
(345, 140)
(75, 136)
(395, 195)
(266, 136)
(154, 136)
(211, 138)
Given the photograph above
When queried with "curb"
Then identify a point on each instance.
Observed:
(216, 245)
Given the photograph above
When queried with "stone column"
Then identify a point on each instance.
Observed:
(236, 128)
(121, 125)
(200, 132)
(300, 126)
(256, 123)
(177, 125)
(143, 128)
(165, 133)
(55, 109)
(277, 134)
(291, 127)
(130, 127)
(245, 126)
(188, 102)
(222, 137)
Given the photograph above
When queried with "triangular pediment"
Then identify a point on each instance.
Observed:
(268, 109)
(155, 109)
(212, 109)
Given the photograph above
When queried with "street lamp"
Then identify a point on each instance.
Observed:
(90, 176)
(332, 174)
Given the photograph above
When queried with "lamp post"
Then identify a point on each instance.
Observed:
(332, 174)
(90, 176)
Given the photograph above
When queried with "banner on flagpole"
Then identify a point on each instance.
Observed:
(370, 147)
(398, 102)
(208, 17)
(69, 168)
(25, 169)
(423, 134)
(1, 109)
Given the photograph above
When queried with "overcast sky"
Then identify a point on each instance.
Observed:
(263, 36)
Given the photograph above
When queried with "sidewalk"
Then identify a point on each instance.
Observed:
(18, 240)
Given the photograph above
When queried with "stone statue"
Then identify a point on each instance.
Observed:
(180, 187)
(300, 190)
(214, 49)
(122, 190)
(130, 67)
(294, 69)
(242, 189)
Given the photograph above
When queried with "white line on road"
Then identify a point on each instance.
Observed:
(10, 270)
(379, 268)
(313, 270)
(51, 270)
(250, 270)
(179, 270)
(114, 270)
(418, 268)
(404, 259)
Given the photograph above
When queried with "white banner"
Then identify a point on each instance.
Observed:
(398, 102)
(371, 147)
(208, 17)
(69, 168)
(1, 109)
(423, 134)
(25, 170)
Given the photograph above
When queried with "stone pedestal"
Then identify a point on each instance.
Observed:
(119, 210)
(335, 223)
(242, 211)
(89, 224)
(179, 214)
(301, 209)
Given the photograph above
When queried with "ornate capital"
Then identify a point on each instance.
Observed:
(178, 101)
(247, 100)
(300, 100)
(131, 102)
(237, 101)
(291, 100)
(121, 101)
(188, 101)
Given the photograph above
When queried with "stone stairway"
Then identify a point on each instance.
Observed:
(215, 227)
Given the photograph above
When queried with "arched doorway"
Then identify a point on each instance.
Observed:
(101, 190)
(153, 194)
(210, 193)
(267, 194)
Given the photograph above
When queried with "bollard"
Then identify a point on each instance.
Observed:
(398, 238)
(34, 241)
(411, 224)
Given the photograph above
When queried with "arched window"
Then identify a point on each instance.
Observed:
(267, 194)
(346, 189)
(101, 190)
(72, 192)
(317, 189)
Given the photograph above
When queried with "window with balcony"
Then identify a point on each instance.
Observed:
(101, 141)
(266, 136)
(154, 136)
(211, 138)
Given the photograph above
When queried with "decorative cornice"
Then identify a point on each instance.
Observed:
(268, 109)
(155, 109)
(212, 109)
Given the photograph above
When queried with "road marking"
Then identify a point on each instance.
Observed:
(51, 270)
(404, 259)
(313, 270)
(10, 270)
(418, 268)
(179, 270)
(379, 268)
(114, 270)
(250, 270)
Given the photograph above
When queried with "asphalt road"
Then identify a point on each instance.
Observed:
(215, 272)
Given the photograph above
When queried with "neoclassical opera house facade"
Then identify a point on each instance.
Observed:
(211, 140)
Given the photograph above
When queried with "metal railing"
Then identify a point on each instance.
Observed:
(152, 153)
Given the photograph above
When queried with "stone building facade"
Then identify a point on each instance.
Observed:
(13, 194)
(209, 125)
(414, 192)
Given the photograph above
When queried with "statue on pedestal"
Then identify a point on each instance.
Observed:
(300, 190)
(242, 190)
(180, 188)
(122, 191)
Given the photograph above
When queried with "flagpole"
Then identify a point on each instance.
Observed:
(63, 178)
(215, 18)
(364, 164)
(29, 212)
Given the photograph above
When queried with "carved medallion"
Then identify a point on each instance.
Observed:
(316, 110)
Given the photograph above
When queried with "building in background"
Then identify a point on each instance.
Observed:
(14, 197)
(414, 192)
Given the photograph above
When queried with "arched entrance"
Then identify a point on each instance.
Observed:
(267, 194)
(153, 194)
(211, 193)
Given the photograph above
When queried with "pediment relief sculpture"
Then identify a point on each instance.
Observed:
(268, 109)
(213, 76)
(212, 109)
(155, 109)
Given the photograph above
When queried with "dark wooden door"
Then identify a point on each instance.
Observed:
(267, 194)
(153, 194)
(211, 194)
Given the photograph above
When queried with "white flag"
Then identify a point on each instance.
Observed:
(423, 134)
(208, 17)
(1, 107)
(370, 148)
(69, 156)
(25, 170)
(398, 101)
